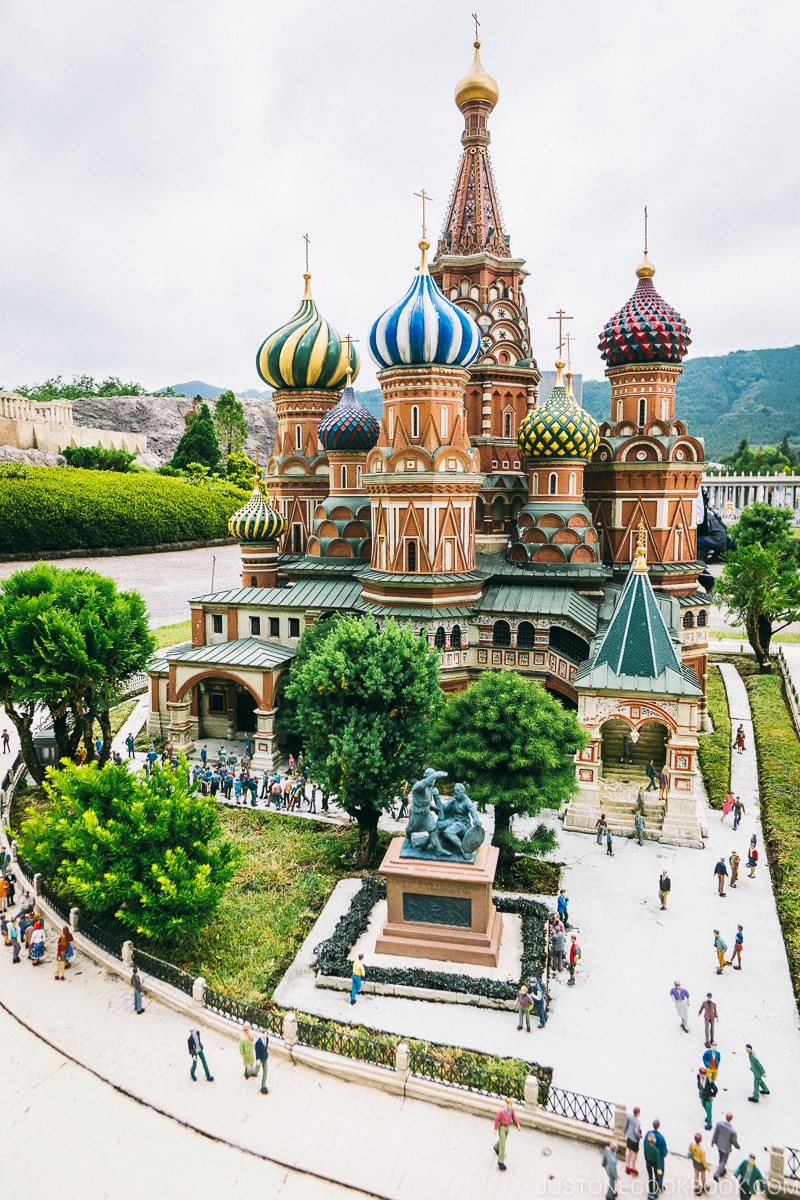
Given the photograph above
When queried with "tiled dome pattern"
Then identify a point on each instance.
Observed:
(348, 426)
(561, 429)
(645, 330)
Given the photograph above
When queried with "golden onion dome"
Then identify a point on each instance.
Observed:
(257, 521)
(476, 84)
(645, 269)
(561, 428)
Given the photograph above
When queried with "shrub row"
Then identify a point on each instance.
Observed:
(77, 510)
(714, 749)
(779, 781)
(332, 957)
(95, 458)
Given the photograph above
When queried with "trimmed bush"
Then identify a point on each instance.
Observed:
(83, 510)
(714, 749)
(332, 957)
(95, 458)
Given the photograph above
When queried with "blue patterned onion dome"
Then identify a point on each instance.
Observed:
(348, 426)
(306, 352)
(257, 522)
(560, 429)
(424, 327)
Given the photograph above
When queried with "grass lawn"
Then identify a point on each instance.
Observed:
(739, 635)
(714, 749)
(289, 869)
(171, 635)
(779, 781)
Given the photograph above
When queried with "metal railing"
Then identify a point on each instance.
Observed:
(56, 902)
(455, 1071)
(791, 1163)
(229, 1006)
(581, 1108)
(25, 867)
(110, 942)
(167, 972)
(349, 1044)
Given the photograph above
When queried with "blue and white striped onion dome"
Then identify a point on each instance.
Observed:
(257, 521)
(306, 352)
(348, 426)
(424, 327)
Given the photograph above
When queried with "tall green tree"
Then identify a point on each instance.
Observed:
(230, 423)
(761, 588)
(767, 526)
(68, 639)
(199, 443)
(512, 744)
(364, 702)
(146, 851)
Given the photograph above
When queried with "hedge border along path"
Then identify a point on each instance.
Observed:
(67, 509)
(714, 749)
(778, 750)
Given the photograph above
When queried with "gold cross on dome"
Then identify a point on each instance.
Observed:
(477, 23)
(256, 458)
(306, 239)
(561, 317)
(645, 229)
(424, 197)
(569, 338)
(350, 341)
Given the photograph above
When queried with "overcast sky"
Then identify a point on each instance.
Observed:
(162, 160)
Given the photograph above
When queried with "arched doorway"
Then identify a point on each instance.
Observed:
(651, 743)
(245, 712)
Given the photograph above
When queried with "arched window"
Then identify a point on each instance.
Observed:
(391, 424)
(414, 421)
(572, 483)
(501, 634)
(664, 409)
(507, 419)
(552, 484)
(688, 620)
(411, 555)
(642, 410)
(443, 421)
(358, 476)
(343, 477)
(619, 410)
(298, 437)
(569, 644)
(479, 510)
(526, 635)
(423, 633)
(535, 484)
(702, 619)
(253, 581)
(440, 640)
(464, 287)
(455, 637)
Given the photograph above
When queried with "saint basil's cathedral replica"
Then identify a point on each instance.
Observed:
(508, 528)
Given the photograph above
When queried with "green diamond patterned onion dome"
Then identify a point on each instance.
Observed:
(561, 428)
(257, 522)
(306, 352)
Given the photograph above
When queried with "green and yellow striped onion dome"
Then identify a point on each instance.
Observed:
(257, 522)
(306, 352)
(560, 429)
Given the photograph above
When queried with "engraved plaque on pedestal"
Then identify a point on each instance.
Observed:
(437, 910)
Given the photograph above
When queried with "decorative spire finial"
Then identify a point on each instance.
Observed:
(424, 244)
(561, 317)
(307, 275)
(645, 270)
(640, 562)
(349, 370)
(477, 36)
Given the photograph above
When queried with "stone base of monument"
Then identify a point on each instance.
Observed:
(441, 909)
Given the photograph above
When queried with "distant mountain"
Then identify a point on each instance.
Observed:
(753, 394)
(372, 401)
(196, 387)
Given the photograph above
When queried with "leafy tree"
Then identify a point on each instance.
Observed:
(95, 458)
(240, 470)
(364, 703)
(147, 852)
(764, 525)
(230, 422)
(82, 385)
(512, 744)
(786, 450)
(199, 443)
(68, 639)
(760, 587)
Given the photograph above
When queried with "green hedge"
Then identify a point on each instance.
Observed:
(779, 780)
(715, 749)
(57, 509)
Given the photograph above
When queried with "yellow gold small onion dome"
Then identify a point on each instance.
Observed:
(645, 269)
(257, 521)
(476, 84)
(560, 429)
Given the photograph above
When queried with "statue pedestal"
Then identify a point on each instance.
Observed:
(440, 908)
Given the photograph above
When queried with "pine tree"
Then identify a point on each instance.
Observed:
(199, 443)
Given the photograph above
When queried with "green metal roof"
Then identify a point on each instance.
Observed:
(518, 599)
(310, 564)
(422, 580)
(402, 612)
(306, 593)
(244, 652)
